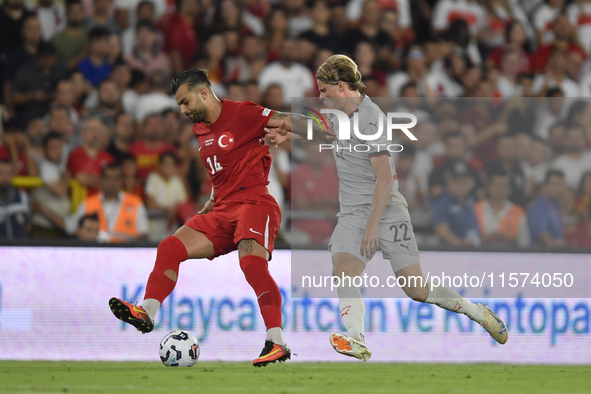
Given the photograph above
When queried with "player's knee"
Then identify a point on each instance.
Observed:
(419, 294)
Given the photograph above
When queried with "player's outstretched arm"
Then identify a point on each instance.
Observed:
(284, 124)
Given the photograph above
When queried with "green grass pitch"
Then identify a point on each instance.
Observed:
(291, 377)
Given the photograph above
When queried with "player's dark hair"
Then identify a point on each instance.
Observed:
(170, 154)
(93, 216)
(552, 173)
(192, 78)
(52, 135)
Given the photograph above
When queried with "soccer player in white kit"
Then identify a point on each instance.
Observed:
(373, 214)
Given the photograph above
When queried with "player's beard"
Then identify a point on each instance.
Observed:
(199, 115)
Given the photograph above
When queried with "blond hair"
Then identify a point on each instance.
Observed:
(340, 68)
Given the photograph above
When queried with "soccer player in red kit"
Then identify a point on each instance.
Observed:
(244, 215)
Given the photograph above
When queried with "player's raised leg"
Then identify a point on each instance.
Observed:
(253, 262)
(184, 244)
(352, 307)
(447, 299)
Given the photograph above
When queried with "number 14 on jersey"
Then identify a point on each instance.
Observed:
(215, 167)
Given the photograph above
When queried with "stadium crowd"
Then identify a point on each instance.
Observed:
(93, 145)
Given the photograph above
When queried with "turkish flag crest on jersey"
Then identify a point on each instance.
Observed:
(226, 141)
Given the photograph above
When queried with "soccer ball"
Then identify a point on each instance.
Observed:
(179, 349)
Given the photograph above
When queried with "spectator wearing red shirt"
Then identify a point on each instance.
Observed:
(515, 40)
(180, 39)
(17, 149)
(566, 40)
(86, 161)
(315, 186)
(147, 151)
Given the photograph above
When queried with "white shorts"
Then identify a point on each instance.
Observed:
(397, 239)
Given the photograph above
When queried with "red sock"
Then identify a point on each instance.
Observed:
(171, 252)
(257, 274)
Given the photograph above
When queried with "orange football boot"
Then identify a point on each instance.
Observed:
(131, 314)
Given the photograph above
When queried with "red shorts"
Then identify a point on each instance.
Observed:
(250, 213)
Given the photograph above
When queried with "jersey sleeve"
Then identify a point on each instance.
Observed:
(253, 118)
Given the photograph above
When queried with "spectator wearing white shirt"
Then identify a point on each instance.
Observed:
(294, 78)
(544, 18)
(54, 193)
(52, 17)
(507, 83)
(555, 76)
(447, 11)
(164, 188)
(535, 165)
(574, 161)
(579, 15)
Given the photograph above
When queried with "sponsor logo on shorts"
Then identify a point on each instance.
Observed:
(255, 231)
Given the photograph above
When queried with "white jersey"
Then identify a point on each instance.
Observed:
(356, 176)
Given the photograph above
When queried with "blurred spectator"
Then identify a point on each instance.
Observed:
(544, 18)
(14, 206)
(455, 220)
(253, 93)
(36, 130)
(500, 221)
(369, 30)
(101, 17)
(448, 11)
(122, 75)
(409, 184)
(544, 214)
(64, 97)
(575, 160)
(108, 105)
(124, 132)
(583, 208)
(87, 160)
(180, 40)
(555, 76)
(320, 34)
(122, 216)
(299, 19)
(365, 56)
(35, 83)
(274, 98)
(88, 227)
(12, 17)
(295, 79)
(115, 54)
(396, 22)
(52, 17)
(250, 63)
(60, 121)
(146, 56)
(579, 113)
(314, 187)
(147, 150)
(556, 140)
(575, 230)
(579, 15)
(508, 164)
(415, 70)
(276, 30)
(17, 149)
(54, 192)
(95, 67)
(131, 184)
(144, 11)
(549, 112)
(535, 166)
(71, 42)
(566, 41)
(456, 152)
(158, 99)
(21, 55)
(164, 188)
(211, 59)
(230, 14)
(507, 83)
(516, 40)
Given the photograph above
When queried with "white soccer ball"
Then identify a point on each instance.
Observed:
(179, 349)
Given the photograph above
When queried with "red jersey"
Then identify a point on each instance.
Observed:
(147, 158)
(232, 148)
(22, 160)
(79, 161)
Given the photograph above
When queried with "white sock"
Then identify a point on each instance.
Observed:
(352, 310)
(450, 300)
(275, 335)
(151, 306)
